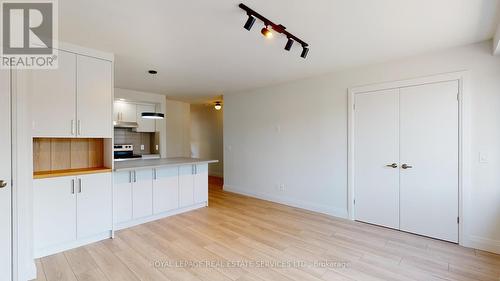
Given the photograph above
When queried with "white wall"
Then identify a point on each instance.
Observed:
(161, 100)
(178, 132)
(207, 136)
(296, 134)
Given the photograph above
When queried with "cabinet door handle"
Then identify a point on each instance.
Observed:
(79, 185)
(135, 176)
(72, 127)
(154, 173)
(406, 166)
(129, 176)
(393, 165)
(72, 186)
(79, 128)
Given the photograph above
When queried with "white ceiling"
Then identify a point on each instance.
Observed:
(200, 48)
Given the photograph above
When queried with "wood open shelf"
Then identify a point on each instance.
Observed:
(57, 157)
(70, 172)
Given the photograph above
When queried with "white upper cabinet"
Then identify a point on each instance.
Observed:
(94, 97)
(125, 111)
(145, 125)
(74, 100)
(53, 94)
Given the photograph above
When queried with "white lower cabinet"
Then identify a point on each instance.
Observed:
(122, 196)
(165, 189)
(142, 193)
(186, 185)
(69, 209)
(94, 207)
(54, 212)
(201, 183)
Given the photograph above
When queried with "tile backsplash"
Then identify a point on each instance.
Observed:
(127, 136)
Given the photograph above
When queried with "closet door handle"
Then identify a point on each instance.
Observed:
(72, 127)
(79, 128)
(393, 165)
(406, 166)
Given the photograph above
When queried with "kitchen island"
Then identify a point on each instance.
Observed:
(151, 189)
(157, 163)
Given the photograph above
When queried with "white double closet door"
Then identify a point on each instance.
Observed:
(406, 153)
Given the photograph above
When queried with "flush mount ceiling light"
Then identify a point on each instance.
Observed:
(268, 25)
(218, 105)
(152, 115)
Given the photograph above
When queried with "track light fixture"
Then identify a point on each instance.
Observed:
(289, 44)
(266, 31)
(305, 50)
(249, 23)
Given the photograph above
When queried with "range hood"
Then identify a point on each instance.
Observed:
(123, 124)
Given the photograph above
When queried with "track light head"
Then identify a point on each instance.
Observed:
(266, 32)
(250, 21)
(305, 50)
(289, 44)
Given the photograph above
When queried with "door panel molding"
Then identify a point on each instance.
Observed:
(464, 139)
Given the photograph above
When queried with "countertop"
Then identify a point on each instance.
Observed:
(156, 163)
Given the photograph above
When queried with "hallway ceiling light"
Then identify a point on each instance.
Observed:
(218, 106)
(266, 31)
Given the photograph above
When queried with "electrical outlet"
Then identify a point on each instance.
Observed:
(483, 157)
(157, 147)
(282, 187)
(142, 146)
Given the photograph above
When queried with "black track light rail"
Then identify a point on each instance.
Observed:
(276, 27)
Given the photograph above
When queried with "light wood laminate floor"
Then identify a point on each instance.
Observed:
(241, 238)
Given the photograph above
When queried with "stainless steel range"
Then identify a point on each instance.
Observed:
(125, 152)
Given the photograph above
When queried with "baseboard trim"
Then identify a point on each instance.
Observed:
(291, 202)
(480, 243)
(132, 223)
(40, 253)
